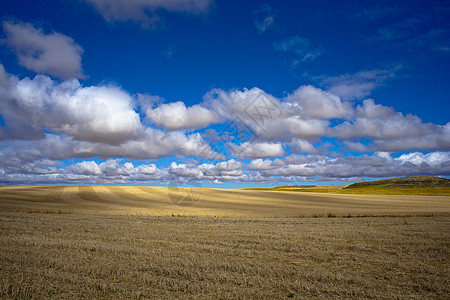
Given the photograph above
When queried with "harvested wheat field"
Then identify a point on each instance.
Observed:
(162, 201)
(107, 242)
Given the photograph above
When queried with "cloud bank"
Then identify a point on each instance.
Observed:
(64, 132)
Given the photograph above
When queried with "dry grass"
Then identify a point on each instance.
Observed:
(111, 257)
(135, 243)
(163, 201)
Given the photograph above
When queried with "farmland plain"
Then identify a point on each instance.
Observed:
(192, 201)
(118, 242)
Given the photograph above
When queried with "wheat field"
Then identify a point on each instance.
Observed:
(89, 242)
(190, 201)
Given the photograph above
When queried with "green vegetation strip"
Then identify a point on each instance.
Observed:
(380, 189)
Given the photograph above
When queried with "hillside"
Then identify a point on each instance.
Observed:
(414, 185)
(297, 186)
(405, 182)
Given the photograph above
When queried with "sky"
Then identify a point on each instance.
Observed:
(224, 94)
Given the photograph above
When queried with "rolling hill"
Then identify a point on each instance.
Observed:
(406, 182)
(413, 185)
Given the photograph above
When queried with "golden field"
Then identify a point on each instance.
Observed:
(108, 242)
(161, 201)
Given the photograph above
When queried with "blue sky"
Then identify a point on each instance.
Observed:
(223, 93)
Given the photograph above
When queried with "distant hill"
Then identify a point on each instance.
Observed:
(297, 186)
(414, 185)
(405, 182)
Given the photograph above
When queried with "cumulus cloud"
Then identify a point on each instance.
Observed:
(305, 116)
(267, 117)
(391, 130)
(153, 143)
(290, 168)
(293, 127)
(357, 85)
(229, 165)
(379, 164)
(85, 168)
(439, 139)
(104, 119)
(302, 146)
(54, 53)
(113, 171)
(315, 103)
(356, 146)
(302, 114)
(96, 113)
(264, 164)
(253, 106)
(45, 122)
(148, 169)
(66, 120)
(145, 11)
(226, 171)
(257, 150)
(176, 115)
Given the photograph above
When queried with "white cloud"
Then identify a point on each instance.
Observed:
(153, 143)
(113, 167)
(148, 169)
(302, 146)
(96, 114)
(112, 171)
(391, 130)
(304, 117)
(100, 114)
(357, 85)
(176, 115)
(315, 103)
(45, 121)
(379, 164)
(236, 103)
(54, 53)
(269, 117)
(103, 121)
(264, 164)
(293, 126)
(356, 146)
(219, 173)
(257, 177)
(67, 120)
(144, 11)
(433, 159)
(229, 165)
(440, 139)
(257, 150)
(85, 168)
(290, 168)
(184, 170)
